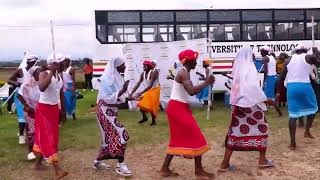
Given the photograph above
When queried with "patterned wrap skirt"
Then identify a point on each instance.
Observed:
(248, 130)
(114, 135)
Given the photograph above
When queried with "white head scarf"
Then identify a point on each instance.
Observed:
(246, 91)
(266, 48)
(301, 47)
(111, 82)
(59, 58)
(32, 58)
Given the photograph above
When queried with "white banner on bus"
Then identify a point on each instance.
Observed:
(166, 53)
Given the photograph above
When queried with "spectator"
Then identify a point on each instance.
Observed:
(88, 73)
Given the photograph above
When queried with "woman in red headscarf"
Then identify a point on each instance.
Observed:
(150, 94)
(186, 138)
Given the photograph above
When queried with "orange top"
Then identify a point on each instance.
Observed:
(88, 69)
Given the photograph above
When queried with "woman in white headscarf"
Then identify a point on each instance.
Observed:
(248, 129)
(29, 95)
(114, 135)
(48, 113)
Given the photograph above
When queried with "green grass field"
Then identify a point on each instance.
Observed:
(80, 142)
(84, 134)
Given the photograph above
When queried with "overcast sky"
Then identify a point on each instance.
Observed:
(17, 15)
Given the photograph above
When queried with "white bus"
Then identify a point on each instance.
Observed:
(118, 32)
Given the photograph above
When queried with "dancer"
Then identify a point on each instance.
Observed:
(248, 129)
(282, 99)
(150, 95)
(186, 138)
(114, 135)
(20, 76)
(69, 79)
(203, 95)
(29, 95)
(301, 97)
(270, 77)
(47, 115)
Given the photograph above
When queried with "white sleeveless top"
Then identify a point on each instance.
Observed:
(51, 95)
(298, 69)
(179, 93)
(24, 77)
(66, 75)
(272, 66)
(147, 80)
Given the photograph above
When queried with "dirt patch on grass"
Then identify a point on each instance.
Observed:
(145, 162)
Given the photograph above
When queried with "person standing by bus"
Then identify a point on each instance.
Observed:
(270, 77)
(301, 97)
(88, 74)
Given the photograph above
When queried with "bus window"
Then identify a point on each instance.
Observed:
(124, 33)
(235, 32)
(179, 35)
(157, 33)
(249, 31)
(281, 31)
(296, 30)
(225, 32)
(101, 33)
(191, 16)
(218, 33)
(194, 31)
(123, 17)
(115, 33)
(264, 31)
(316, 31)
(289, 31)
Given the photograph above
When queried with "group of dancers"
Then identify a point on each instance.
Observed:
(44, 96)
(248, 130)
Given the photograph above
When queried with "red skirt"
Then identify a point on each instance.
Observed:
(186, 137)
(47, 131)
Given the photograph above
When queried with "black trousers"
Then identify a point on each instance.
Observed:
(88, 78)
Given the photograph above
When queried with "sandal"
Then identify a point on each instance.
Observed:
(268, 165)
(230, 168)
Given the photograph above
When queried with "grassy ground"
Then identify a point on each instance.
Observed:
(80, 140)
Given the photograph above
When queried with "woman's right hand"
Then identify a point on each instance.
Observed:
(210, 80)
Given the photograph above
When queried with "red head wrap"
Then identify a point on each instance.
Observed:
(188, 55)
(149, 63)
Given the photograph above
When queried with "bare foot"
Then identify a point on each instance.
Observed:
(224, 165)
(203, 175)
(308, 135)
(40, 167)
(292, 147)
(62, 174)
(168, 173)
